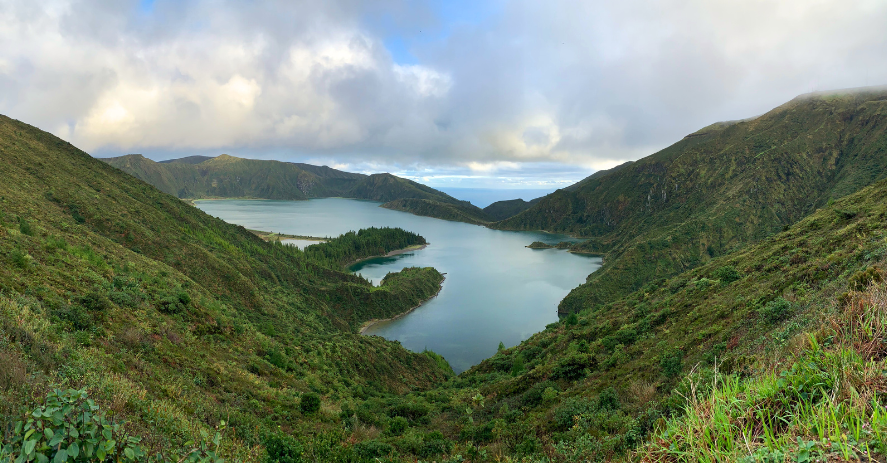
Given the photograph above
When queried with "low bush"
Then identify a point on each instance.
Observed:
(727, 274)
(776, 310)
(281, 448)
(670, 363)
(310, 403)
(372, 449)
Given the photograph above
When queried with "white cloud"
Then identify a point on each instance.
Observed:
(587, 83)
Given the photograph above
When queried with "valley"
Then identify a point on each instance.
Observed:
(744, 264)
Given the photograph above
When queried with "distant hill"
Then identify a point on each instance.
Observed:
(198, 177)
(188, 160)
(718, 189)
(460, 212)
(501, 210)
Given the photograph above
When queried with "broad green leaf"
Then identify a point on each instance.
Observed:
(61, 456)
(73, 450)
(48, 433)
(56, 440)
(29, 446)
(41, 458)
(128, 452)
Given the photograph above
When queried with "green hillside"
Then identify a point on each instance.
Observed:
(595, 385)
(197, 177)
(174, 320)
(230, 177)
(767, 346)
(461, 211)
(501, 210)
(716, 190)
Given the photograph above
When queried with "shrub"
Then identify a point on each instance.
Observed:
(863, 278)
(776, 310)
(671, 363)
(608, 399)
(310, 403)
(76, 315)
(565, 413)
(171, 304)
(572, 319)
(94, 301)
(727, 274)
(19, 259)
(278, 359)
(25, 227)
(124, 299)
(281, 448)
(574, 367)
(372, 449)
(534, 395)
(410, 410)
(529, 446)
(397, 426)
(517, 367)
(69, 427)
(434, 444)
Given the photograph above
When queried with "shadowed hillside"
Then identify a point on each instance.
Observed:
(197, 177)
(716, 190)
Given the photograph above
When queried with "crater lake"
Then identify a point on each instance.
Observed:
(496, 289)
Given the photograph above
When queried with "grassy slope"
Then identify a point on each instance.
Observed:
(641, 345)
(446, 211)
(717, 190)
(174, 319)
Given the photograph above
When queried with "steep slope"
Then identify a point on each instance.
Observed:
(460, 212)
(717, 189)
(501, 210)
(175, 320)
(594, 385)
(226, 176)
(409, 196)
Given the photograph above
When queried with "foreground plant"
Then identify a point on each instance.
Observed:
(71, 428)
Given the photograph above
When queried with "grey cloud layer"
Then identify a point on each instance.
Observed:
(585, 83)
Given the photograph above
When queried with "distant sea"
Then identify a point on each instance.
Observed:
(483, 197)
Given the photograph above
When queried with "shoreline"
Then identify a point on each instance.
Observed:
(369, 323)
(271, 236)
(415, 247)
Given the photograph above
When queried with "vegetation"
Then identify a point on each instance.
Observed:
(225, 176)
(716, 191)
(766, 346)
(175, 321)
(460, 212)
(501, 210)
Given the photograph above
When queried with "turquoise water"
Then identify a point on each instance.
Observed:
(496, 289)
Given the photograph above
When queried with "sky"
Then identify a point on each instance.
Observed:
(472, 94)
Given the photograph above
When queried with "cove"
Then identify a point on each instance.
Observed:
(496, 290)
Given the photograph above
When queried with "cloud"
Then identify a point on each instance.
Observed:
(591, 83)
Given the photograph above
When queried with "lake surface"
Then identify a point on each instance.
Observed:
(496, 290)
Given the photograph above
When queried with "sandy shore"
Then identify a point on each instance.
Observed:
(367, 324)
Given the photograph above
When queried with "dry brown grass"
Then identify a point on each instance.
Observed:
(13, 371)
